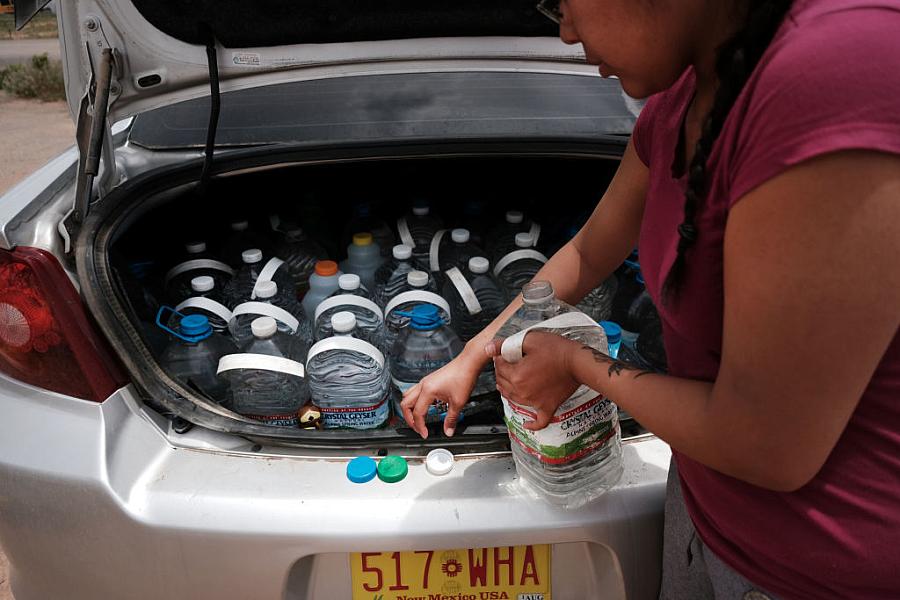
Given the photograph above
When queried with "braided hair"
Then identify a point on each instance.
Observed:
(735, 61)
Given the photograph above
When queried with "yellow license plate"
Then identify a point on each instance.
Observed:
(507, 572)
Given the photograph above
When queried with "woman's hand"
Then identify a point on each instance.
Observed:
(450, 385)
(542, 380)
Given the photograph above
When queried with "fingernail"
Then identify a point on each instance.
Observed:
(425, 434)
(450, 431)
(489, 348)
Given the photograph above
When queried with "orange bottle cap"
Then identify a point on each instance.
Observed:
(326, 268)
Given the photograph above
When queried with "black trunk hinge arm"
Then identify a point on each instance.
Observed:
(215, 105)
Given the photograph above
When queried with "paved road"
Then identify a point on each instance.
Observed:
(19, 51)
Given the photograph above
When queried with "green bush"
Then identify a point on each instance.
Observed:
(42, 79)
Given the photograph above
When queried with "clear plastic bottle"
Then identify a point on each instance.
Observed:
(352, 298)
(475, 297)
(454, 250)
(423, 288)
(363, 259)
(598, 303)
(520, 266)
(196, 262)
(241, 288)
(323, 283)
(300, 254)
(242, 237)
(423, 347)
(205, 300)
(417, 229)
(501, 240)
(391, 276)
(191, 357)
(289, 316)
(363, 219)
(578, 456)
(348, 378)
(267, 383)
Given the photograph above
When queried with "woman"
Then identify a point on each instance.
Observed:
(762, 185)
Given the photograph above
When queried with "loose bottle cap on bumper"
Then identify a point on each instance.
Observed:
(392, 469)
(439, 461)
(361, 469)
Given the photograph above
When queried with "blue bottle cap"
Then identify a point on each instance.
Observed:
(195, 326)
(361, 469)
(613, 331)
(424, 317)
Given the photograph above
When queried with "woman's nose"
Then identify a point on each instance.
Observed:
(567, 34)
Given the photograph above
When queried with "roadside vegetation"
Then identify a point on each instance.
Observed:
(43, 25)
(42, 79)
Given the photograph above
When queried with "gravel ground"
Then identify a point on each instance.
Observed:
(5, 594)
(21, 51)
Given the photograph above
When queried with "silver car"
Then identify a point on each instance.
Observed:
(118, 481)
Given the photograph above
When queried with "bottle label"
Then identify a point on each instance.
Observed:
(355, 417)
(285, 420)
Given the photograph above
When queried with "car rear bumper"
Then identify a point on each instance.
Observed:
(96, 502)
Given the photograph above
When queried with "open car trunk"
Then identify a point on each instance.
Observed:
(147, 220)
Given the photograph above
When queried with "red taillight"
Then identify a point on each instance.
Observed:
(45, 336)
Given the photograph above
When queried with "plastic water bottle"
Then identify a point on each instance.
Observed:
(450, 251)
(207, 301)
(501, 240)
(419, 288)
(348, 378)
(520, 266)
(300, 255)
(353, 299)
(363, 259)
(242, 288)
(196, 262)
(417, 229)
(289, 316)
(242, 237)
(423, 347)
(475, 298)
(363, 219)
(598, 303)
(579, 455)
(613, 337)
(191, 357)
(267, 383)
(322, 283)
(391, 276)
(350, 283)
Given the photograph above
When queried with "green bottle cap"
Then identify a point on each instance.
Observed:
(392, 469)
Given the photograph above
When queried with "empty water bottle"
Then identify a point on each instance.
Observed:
(196, 262)
(390, 277)
(289, 316)
(363, 259)
(424, 346)
(501, 240)
(475, 298)
(323, 283)
(206, 300)
(417, 229)
(454, 250)
(267, 383)
(519, 266)
(598, 303)
(300, 255)
(419, 288)
(242, 288)
(578, 455)
(348, 378)
(191, 357)
(353, 299)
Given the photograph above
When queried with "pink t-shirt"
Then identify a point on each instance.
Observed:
(830, 81)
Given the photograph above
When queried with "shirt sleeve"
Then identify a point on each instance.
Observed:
(833, 87)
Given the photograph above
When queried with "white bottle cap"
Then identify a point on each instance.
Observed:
(402, 252)
(343, 322)
(421, 211)
(240, 226)
(263, 327)
(460, 236)
(348, 282)
(524, 240)
(479, 265)
(266, 289)
(204, 283)
(251, 256)
(439, 461)
(195, 247)
(417, 279)
(514, 217)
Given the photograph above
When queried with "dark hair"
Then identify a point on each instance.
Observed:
(735, 61)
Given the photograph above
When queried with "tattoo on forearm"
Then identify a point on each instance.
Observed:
(616, 367)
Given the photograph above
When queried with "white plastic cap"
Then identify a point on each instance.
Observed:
(421, 211)
(253, 255)
(460, 236)
(439, 461)
(514, 216)
(402, 252)
(204, 283)
(524, 240)
(479, 265)
(348, 282)
(195, 247)
(343, 322)
(417, 278)
(263, 327)
(266, 289)
(240, 226)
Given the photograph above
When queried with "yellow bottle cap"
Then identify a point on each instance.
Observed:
(362, 239)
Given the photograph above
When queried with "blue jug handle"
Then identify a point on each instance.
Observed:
(163, 309)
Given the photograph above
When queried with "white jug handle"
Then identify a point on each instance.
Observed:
(344, 342)
(264, 362)
(266, 274)
(465, 290)
(348, 299)
(207, 304)
(199, 263)
(267, 310)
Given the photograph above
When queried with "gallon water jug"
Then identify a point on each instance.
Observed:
(475, 297)
(391, 276)
(520, 266)
(453, 250)
(289, 316)
(323, 283)
(417, 229)
(501, 240)
(418, 289)
(363, 259)
(350, 283)
(369, 319)
(196, 262)
(242, 237)
(243, 287)
(205, 301)
(300, 255)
